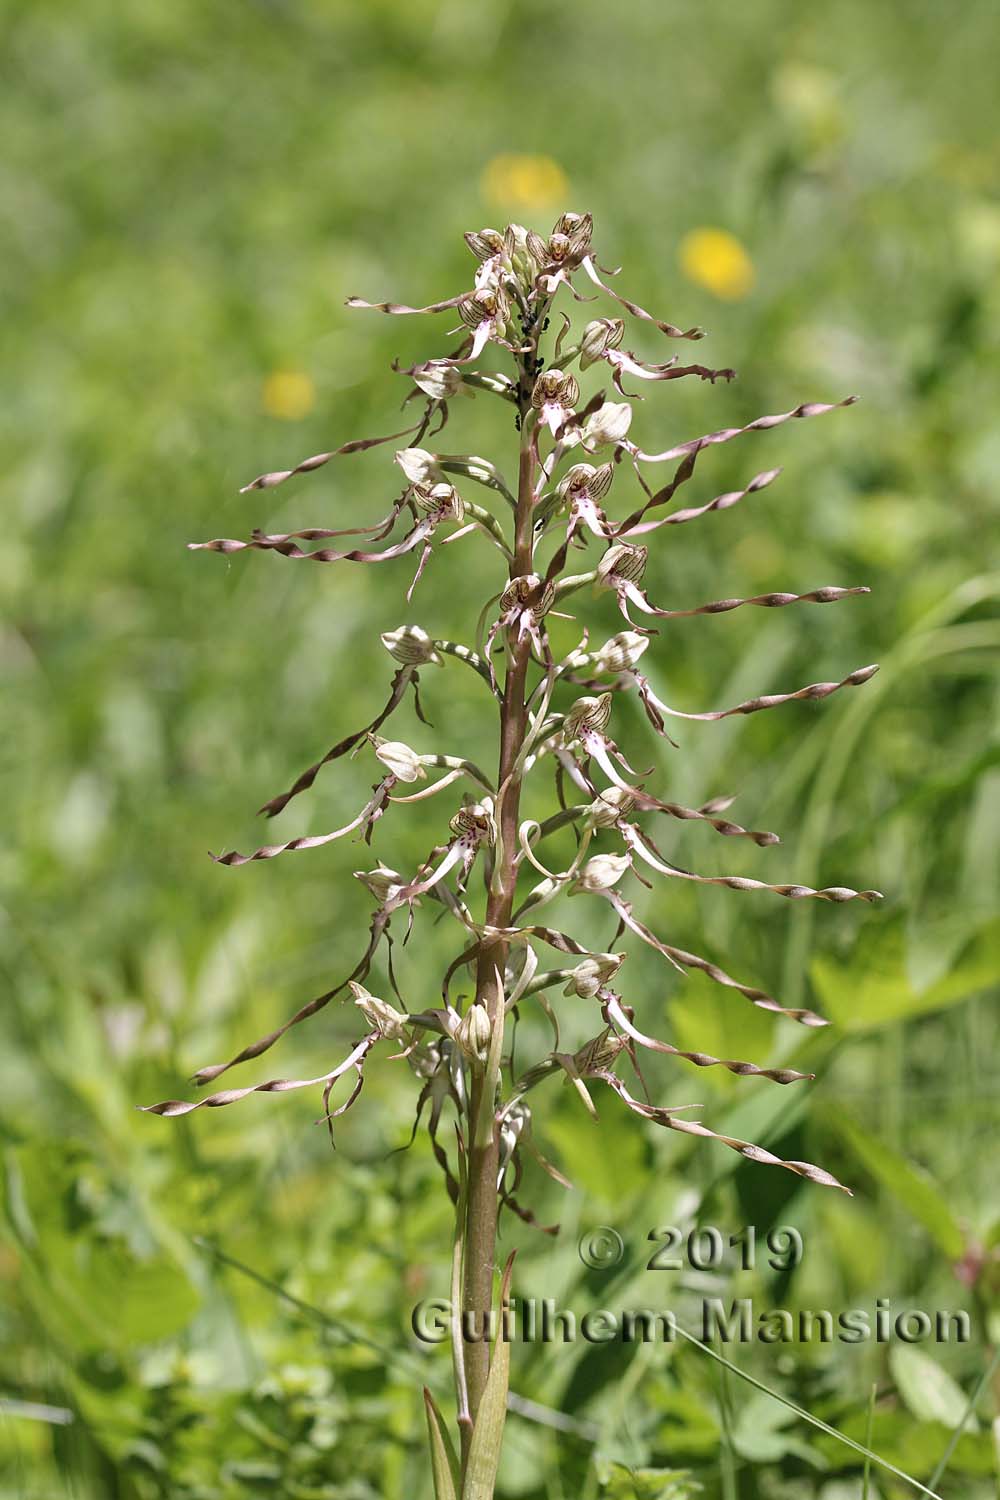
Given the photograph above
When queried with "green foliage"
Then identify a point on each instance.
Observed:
(915, 1189)
(929, 1392)
(189, 193)
(619, 1483)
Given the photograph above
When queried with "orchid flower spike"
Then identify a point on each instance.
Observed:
(552, 716)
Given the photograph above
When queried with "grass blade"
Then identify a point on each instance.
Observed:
(867, 1472)
(807, 1416)
(980, 1386)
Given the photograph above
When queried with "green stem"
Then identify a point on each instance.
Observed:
(482, 1203)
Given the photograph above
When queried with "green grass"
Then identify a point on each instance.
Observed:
(188, 194)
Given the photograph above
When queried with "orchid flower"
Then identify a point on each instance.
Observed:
(585, 725)
(558, 255)
(486, 312)
(579, 492)
(523, 606)
(621, 569)
(471, 827)
(554, 396)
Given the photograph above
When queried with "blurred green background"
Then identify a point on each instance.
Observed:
(189, 191)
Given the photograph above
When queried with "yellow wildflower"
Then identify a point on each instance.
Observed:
(289, 395)
(715, 259)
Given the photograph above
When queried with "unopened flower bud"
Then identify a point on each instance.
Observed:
(592, 973)
(410, 646)
(537, 248)
(608, 806)
(586, 714)
(598, 337)
(402, 762)
(380, 1015)
(621, 652)
(439, 380)
(518, 252)
(600, 873)
(608, 425)
(379, 881)
(622, 561)
(484, 243)
(419, 466)
(474, 1031)
(584, 480)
